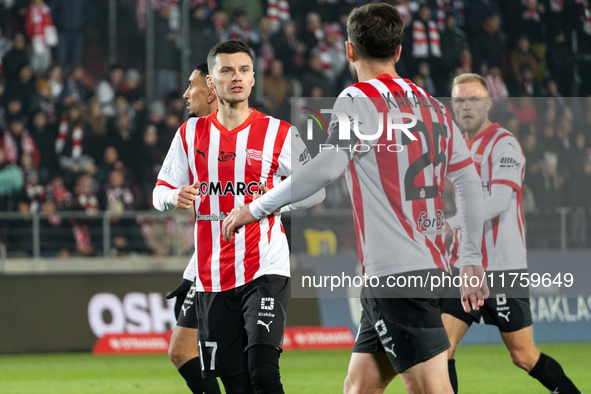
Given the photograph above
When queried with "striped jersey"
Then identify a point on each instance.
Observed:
(396, 196)
(226, 167)
(498, 158)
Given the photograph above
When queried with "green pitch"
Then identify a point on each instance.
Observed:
(481, 369)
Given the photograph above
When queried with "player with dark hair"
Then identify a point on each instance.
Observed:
(392, 194)
(500, 163)
(216, 163)
(183, 351)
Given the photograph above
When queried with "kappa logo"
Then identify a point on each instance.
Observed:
(202, 153)
(267, 303)
(505, 316)
(262, 323)
(226, 156)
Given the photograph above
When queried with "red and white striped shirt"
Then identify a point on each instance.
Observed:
(227, 166)
(498, 158)
(396, 197)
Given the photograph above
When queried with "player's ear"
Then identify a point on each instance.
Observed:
(211, 97)
(489, 104)
(209, 81)
(253, 79)
(398, 52)
(350, 51)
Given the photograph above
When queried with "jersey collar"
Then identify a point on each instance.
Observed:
(214, 119)
(484, 132)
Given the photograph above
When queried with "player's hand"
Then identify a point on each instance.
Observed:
(263, 189)
(473, 296)
(185, 195)
(237, 218)
(180, 293)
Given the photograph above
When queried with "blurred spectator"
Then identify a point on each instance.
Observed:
(86, 201)
(16, 58)
(278, 13)
(561, 64)
(203, 34)
(117, 198)
(453, 41)
(42, 34)
(580, 17)
(121, 137)
(533, 170)
(241, 29)
(254, 11)
(109, 163)
(134, 92)
(332, 52)
(73, 145)
(17, 141)
(312, 76)
(487, 43)
(152, 157)
(549, 141)
(314, 33)
(496, 84)
(276, 89)
(56, 81)
(428, 84)
(522, 55)
(289, 49)
(44, 101)
(219, 18)
(524, 109)
(11, 182)
(23, 88)
(45, 136)
(70, 17)
(532, 16)
(108, 88)
(525, 84)
(78, 87)
(266, 51)
(33, 194)
(59, 194)
(426, 42)
(551, 197)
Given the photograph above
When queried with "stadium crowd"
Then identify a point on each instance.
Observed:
(79, 134)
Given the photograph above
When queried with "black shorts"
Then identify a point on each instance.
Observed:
(230, 322)
(507, 313)
(408, 330)
(188, 316)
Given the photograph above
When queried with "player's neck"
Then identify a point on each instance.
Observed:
(482, 127)
(232, 115)
(370, 70)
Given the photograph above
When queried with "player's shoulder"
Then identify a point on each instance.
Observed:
(265, 120)
(506, 141)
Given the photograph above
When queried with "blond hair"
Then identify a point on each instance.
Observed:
(470, 77)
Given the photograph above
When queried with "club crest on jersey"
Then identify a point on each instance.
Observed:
(226, 156)
(253, 155)
(477, 158)
(431, 226)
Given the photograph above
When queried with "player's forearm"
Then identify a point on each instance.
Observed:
(314, 199)
(323, 169)
(163, 198)
(470, 214)
(494, 205)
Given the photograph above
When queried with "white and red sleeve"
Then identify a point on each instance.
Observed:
(508, 163)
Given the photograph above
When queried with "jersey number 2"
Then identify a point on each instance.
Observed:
(416, 167)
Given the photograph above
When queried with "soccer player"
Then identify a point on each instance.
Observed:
(183, 350)
(500, 162)
(392, 192)
(216, 163)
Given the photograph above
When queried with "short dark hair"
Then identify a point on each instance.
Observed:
(230, 46)
(375, 30)
(203, 69)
